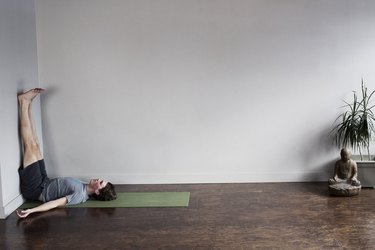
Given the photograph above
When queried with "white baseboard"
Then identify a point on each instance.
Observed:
(9, 208)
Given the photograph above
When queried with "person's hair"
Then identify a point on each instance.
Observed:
(107, 193)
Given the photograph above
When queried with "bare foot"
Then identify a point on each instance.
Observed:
(30, 95)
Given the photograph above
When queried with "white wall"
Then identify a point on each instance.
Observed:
(18, 72)
(172, 91)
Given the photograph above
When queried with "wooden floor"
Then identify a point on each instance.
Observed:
(220, 216)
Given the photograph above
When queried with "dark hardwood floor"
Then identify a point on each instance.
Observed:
(220, 216)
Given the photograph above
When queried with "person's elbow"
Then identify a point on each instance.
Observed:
(61, 202)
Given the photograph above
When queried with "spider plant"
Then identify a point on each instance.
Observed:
(356, 128)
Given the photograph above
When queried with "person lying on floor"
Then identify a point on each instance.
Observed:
(34, 182)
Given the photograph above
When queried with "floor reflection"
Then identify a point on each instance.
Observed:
(39, 229)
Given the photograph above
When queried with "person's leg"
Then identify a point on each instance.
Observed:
(29, 137)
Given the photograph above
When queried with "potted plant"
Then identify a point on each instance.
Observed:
(356, 130)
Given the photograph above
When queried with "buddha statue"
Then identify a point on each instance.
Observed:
(344, 181)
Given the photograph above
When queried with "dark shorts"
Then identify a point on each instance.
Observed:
(33, 179)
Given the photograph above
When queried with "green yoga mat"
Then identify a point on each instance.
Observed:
(133, 199)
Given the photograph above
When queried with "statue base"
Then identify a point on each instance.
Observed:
(343, 189)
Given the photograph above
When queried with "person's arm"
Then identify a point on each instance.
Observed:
(44, 207)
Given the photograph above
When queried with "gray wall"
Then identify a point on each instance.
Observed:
(18, 72)
(173, 91)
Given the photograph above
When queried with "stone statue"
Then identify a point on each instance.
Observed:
(344, 182)
(345, 170)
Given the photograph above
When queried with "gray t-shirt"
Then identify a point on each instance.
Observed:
(73, 189)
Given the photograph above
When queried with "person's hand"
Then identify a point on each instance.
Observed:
(23, 213)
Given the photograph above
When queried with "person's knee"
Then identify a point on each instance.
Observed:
(32, 148)
(32, 145)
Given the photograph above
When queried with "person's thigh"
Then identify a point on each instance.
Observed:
(31, 154)
(33, 178)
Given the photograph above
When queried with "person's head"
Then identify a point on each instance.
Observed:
(102, 190)
(345, 154)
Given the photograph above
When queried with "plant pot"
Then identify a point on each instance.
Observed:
(366, 171)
